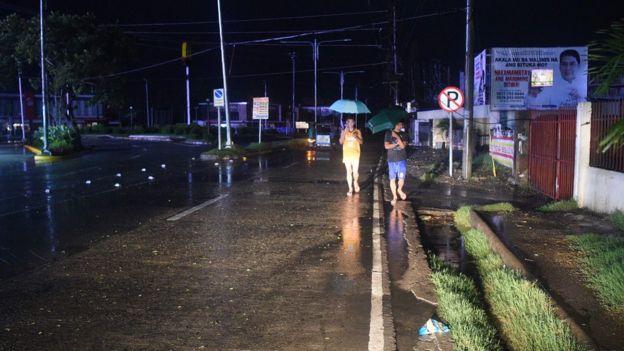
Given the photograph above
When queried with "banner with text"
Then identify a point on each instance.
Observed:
(538, 78)
(479, 78)
(502, 146)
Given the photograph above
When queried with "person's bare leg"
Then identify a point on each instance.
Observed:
(356, 176)
(349, 177)
(400, 189)
(393, 190)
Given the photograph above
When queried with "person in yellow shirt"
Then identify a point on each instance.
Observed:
(351, 139)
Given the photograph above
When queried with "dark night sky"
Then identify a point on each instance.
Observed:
(437, 38)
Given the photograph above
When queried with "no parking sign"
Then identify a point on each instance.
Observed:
(451, 99)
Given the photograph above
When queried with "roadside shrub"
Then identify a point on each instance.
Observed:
(167, 129)
(559, 206)
(617, 218)
(195, 131)
(180, 129)
(259, 146)
(61, 139)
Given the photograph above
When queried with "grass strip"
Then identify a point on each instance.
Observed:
(603, 266)
(497, 207)
(459, 304)
(527, 320)
(559, 206)
(617, 218)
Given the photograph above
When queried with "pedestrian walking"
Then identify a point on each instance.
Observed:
(351, 139)
(395, 141)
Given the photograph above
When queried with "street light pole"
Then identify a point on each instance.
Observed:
(19, 81)
(315, 56)
(228, 140)
(43, 81)
(293, 55)
(147, 107)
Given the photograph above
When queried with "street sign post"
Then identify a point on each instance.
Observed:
(218, 102)
(451, 99)
(260, 112)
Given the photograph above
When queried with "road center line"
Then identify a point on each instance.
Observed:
(197, 208)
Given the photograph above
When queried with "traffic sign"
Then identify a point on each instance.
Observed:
(451, 99)
(260, 108)
(217, 97)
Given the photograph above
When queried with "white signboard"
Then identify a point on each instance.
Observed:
(260, 108)
(479, 78)
(302, 125)
(217, 96)
(538, 78)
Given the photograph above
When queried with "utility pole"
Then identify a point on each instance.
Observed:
(19, 81)
(188, 96)
(148, 120)
(293, 56)
(228, 139)
(468, 105)
(43, 81)
(315, 55)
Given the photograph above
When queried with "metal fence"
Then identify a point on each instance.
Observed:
(552, 152)
(604, 115)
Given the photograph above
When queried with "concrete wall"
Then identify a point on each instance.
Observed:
(594, 188)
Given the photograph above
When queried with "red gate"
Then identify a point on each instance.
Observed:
(551, 152)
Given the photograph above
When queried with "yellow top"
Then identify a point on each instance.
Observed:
(351, 146)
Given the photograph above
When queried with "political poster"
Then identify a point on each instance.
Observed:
(502, 146)
(538, 78)
(479, 78)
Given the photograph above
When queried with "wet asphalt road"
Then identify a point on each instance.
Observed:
(48, 210)
(281, 261)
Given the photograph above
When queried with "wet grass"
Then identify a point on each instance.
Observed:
(617, 218)
(525, 316)
(497, 207)
(603, 267)
(559, 206)
(461, 306)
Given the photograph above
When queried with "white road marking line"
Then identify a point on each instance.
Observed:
(197, 208)
(376, 331)
(290, 165)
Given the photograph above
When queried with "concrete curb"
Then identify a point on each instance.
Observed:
(510, 259)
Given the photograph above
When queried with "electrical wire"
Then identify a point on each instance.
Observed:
(280, 38)
(249, 19)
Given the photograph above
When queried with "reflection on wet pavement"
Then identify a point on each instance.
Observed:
(397, 247)
(349, 256)
(55, 209)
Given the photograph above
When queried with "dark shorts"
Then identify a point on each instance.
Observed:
(397, 169)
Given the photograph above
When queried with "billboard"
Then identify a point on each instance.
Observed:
(479, 78)
(538, 78)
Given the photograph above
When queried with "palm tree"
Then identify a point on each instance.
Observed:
(607, 54)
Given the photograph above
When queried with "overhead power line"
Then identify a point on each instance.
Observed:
(249, 19)
(280, 38)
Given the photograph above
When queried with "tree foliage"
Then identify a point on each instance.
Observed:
(79, 54)
(607, 55)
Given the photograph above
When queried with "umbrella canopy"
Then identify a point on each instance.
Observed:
(349, 106)
(386, 119)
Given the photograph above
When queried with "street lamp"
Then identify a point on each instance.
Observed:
(315, 55)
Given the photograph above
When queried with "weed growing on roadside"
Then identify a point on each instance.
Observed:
(526, 318)
(603, 266)
(617, 218)
(497, 207)
(559, 206)
(460, 305)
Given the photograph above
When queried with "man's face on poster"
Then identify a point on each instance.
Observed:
(568, 67)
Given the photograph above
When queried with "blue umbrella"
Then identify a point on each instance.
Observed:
(349, 106)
